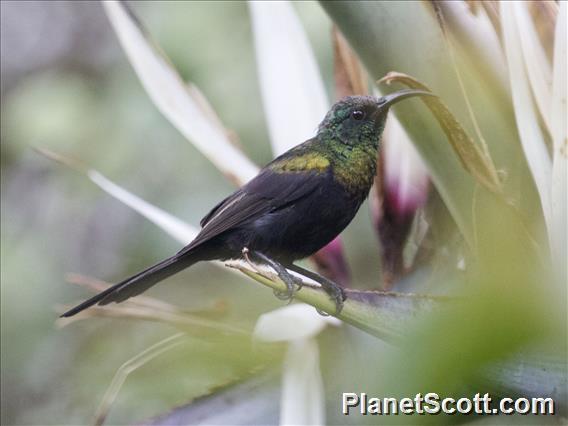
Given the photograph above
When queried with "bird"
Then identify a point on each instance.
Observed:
(296, 204)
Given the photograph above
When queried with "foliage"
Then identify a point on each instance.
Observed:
(482, 302)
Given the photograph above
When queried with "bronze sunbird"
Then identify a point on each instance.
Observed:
(296, 204)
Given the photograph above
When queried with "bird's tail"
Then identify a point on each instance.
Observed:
(138, 283)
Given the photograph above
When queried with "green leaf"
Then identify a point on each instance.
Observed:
(383, 314)
(406, 37)
(394, 316)
(470, 154)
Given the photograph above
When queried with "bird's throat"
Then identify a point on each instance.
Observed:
(355, 167)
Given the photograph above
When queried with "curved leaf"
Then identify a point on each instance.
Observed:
(471, 156)
(405, 36)
(174, 227)
(292, 90)
(184, 106)
(539, 71)
(530, 133)
(129, 367)
(560, 146)
(383, 314)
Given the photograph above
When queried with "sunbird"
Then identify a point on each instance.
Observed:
(297, 204)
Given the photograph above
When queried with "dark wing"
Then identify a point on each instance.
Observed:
(267, 192)
(233, 198)
(267, 184)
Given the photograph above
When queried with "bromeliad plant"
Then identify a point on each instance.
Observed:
(470, 201)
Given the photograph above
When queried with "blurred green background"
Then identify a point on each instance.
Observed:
(67, 87)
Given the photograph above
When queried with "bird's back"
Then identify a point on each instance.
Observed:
(304, 199)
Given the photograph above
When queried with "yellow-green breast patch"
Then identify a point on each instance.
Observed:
(302, 163)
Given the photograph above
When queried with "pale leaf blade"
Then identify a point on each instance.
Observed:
(476, 34)
(170, 224)
(297, 321)
(560, 143)
(530, 134)
(302, 401)
(537, 66)
(173, 98)
(292, 90)
(174, 227)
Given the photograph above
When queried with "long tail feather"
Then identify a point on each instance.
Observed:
(138, 283)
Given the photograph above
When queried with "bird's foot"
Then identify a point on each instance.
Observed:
(291, 283)
(335, 292)
(287, 278)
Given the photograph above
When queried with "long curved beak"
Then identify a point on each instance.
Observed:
(392, 98)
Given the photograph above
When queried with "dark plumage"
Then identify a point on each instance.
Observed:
(296, 205)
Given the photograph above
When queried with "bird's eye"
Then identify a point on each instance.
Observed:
(358, 115)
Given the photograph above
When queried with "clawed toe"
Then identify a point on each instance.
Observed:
(322, 313)
(288, 279)
(293, 285)
(337, 294)
(284, 295)
(339, 298)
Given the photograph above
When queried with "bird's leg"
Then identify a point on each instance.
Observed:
(336, 293)
(288, 279)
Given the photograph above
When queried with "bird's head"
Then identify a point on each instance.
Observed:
(361, 119)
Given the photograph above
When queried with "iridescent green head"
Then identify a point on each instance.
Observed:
(361, 119)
